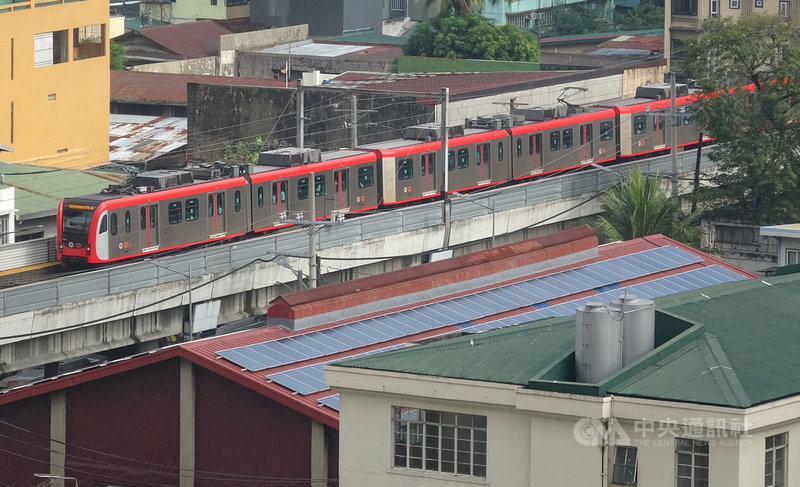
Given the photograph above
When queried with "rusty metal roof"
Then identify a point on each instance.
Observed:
(133, 86)
(195, 39)
(140, 138)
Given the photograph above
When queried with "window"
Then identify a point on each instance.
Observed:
(586, 134)
(775, 461)
(279, 188)
(4, 226)
(153, 214)
(535, 144)
(482, 155)
(686, 115)
(88, 41)
(714, 7)
(103, 225)
(783, 8)
(211, 205)
(192, 209)
(499, 151)
(428, 164)
(319, 186)
(606, 130)
(406, 170)
(336, 177)
(143, 217)
(49, 48)
(220, 203)
(302, 189)
(555, 140)
(213, 2)
(114, 224)
(127, 222)
(792, 256)
(463, 158)
(451, 161)
(237, 201)
(439, 441)
(260, 197)
(175, 212)
(639, 124)
(519, 148)
(734, 4)
(567, 139)
(759, 3)
(658, 121)
(692, 462)
(366, 177)
(625, 466)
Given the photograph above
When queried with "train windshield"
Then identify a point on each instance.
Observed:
(75, 222)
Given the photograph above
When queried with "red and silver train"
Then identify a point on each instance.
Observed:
(161, 211)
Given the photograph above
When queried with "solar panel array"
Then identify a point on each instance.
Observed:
(331, 401)
(706, 276)
(463, 309)
(311, 378)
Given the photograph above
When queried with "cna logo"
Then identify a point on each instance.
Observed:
(591, 432)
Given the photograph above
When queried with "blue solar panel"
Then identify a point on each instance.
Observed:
(331, 401)
(458, 310)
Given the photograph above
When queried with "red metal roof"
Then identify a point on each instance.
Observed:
(170, 88)
(195, 39)
(655, 44)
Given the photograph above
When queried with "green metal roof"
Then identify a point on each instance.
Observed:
(733, 344)
(39, 189)
(368, 36)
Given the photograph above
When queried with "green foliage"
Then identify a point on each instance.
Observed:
(639, 207)
(575, 19)
(117, 56)
(471, 36)
(649, 14)
(243, 152)
(758, 137)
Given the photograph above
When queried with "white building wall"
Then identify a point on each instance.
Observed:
(7, 214)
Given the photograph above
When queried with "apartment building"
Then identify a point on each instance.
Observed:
(54, 82)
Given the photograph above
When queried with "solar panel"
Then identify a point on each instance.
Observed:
(462, 309)
(331, 401)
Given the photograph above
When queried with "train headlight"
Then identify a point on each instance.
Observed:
(88, 249)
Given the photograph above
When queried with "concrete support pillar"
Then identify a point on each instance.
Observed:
(319, 455)
(187, 437)
(58, 435)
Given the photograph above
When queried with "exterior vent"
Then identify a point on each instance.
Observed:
(638, 326)
(431, 131)
(598, 343)
(660, 91)
(542, 113)
(155, 180)
(289, 156)
(494, 122)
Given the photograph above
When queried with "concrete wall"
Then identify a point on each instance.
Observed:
(262, 39)
(360, 14)
(323, 18)
(203, 66)
(267, 65)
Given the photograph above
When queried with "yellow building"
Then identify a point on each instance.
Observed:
(54, 82)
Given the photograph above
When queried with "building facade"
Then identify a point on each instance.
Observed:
(54, 82)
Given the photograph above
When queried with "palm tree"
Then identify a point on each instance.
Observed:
(639, 207)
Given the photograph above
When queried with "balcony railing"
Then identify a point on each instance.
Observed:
(685, 20)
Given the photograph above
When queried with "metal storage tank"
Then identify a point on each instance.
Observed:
(598, 343)
(638, 326)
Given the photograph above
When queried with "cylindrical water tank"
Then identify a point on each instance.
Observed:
(598, 343)
(638, 326)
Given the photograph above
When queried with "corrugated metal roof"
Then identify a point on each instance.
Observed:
(39, 189)
(195, 39)
(133, 86)
(140, 138)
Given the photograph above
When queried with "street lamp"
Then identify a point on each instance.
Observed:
(59, 477)
(189, 278)
(490, 208)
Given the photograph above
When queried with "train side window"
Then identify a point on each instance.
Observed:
(687, 116)
(143, 217)
(103, 224)
(274, 193)
(639, 124)
(260, 196)
(302, 189)
(343, 176)
(567, 139)
(451, 160)
(535, 144)
(127, 222)
(658, 121)
(366, 177)
(319, 185)
(499, 151)
(283, 191)
(586, 134)
(406, 170)
(211, 205)
(220, 203)
(483, 154)
(555, 140)
(519, 147)
(153, 213)
(175, 212)
(192, 209)
(606, 131)
(113, 224)
(463, 158)
(237, 201)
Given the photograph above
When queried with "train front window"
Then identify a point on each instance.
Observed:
(75, 223)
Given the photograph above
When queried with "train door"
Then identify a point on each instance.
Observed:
(341, 190)
(587, 143)
(659, 130)
(148, 226)
(482, 159)
(216, 214)
(428, 172)
(279, 192)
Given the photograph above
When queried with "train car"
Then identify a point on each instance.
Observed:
(344, 181)
(553, 141)
(158, 211)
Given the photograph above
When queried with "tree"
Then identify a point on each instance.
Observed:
(639, 207)
(471, 36)
(649, 14)
(465, 6)
(117, 55)
(748, 70)
(574, 19)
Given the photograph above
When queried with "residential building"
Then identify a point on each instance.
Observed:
(158, 12)
(683, 19)
(54, 82)
(253, 406)
(713, 401)
(788, 237)
(8, 213)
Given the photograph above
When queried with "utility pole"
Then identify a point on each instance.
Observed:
(312, 242)
(676, 205)
(353, 121)
(300, 117)
(444, 137)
